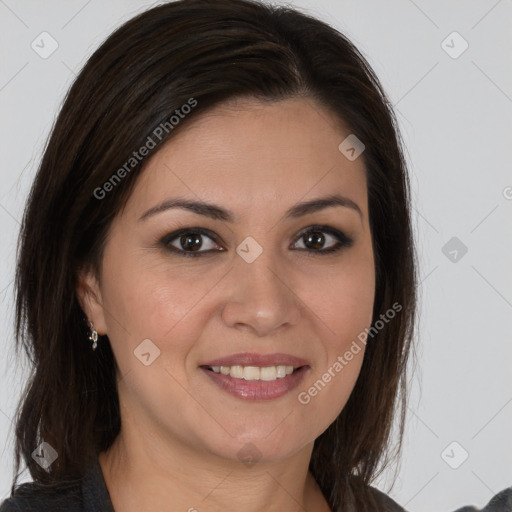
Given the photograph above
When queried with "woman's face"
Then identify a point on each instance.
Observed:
(257, 283)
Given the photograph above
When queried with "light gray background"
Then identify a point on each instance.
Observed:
(455, 116)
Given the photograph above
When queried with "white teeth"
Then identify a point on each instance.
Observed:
(266, 373)
(281, 371)
(237, 372)
(251, 373)
(269, 373)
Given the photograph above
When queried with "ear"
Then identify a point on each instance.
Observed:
(89, 295)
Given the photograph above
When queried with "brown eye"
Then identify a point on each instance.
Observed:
(188, 242)
(316, 238)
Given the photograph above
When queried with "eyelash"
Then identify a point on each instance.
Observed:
(343, 241)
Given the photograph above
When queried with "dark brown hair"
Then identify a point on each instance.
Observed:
(210, 51)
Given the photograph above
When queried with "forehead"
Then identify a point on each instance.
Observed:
(248, 153)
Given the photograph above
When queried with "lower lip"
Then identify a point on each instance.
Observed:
(257, 389)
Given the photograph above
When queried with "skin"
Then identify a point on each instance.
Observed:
(181, 433)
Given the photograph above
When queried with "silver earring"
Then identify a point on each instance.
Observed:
(93, 336)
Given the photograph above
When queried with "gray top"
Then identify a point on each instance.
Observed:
(91, 495)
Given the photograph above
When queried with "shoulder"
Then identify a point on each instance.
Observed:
(33, 497)
(384, 501)
(87, 494)
(502, 502)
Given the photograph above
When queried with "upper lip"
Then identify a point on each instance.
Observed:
(261, 360)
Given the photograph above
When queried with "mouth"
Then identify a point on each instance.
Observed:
(256, 377)
(251, 373)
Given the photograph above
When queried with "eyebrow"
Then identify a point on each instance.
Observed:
(216, 212)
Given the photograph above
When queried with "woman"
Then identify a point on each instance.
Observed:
(216, 279)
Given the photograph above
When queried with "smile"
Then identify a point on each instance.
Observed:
(255, 383)
(266, 373)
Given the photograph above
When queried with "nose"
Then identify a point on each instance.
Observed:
(260, 296)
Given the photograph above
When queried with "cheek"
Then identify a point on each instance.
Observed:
(343, 302)
(150, 299)
(324, 396)
(343, 298)
(160, 302)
